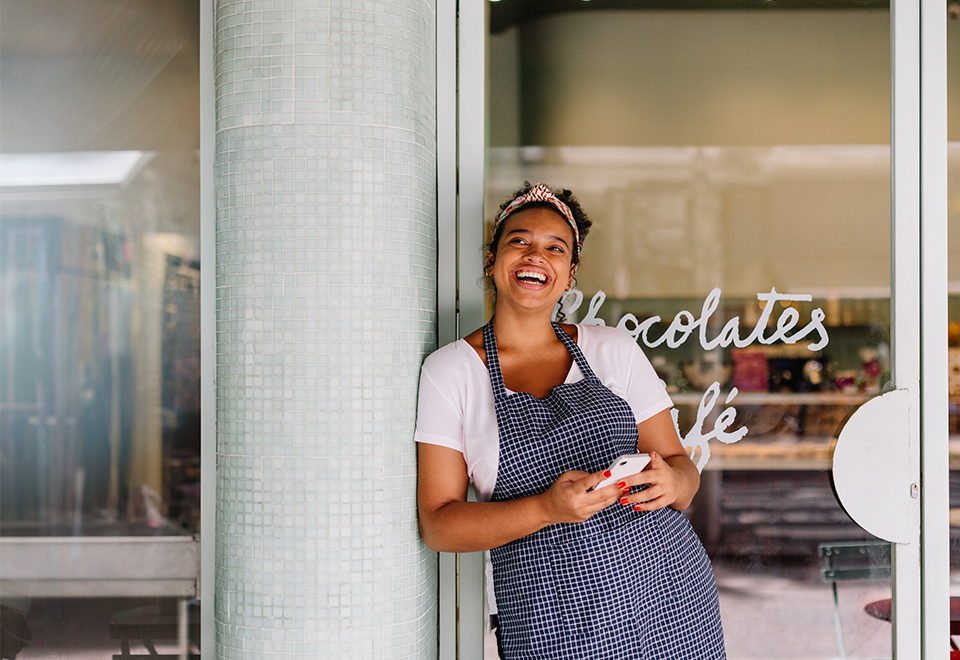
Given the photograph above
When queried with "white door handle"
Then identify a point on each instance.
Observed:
(871, 467)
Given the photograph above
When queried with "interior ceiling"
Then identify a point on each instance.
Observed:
(124, 74)
(506, 13)
(99, 75)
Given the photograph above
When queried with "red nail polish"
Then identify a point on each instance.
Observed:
(622, 485)
(624, 501)
(607, 473)
(636, 507)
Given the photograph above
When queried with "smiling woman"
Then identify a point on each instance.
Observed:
(532, 413)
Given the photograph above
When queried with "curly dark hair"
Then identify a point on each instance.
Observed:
(579, 215)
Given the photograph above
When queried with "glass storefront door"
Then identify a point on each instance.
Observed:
(736, 162)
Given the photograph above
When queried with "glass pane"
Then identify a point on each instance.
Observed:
(99, 301)
(953, 274)
(736, 165)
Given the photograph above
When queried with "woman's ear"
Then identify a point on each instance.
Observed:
(488, 267)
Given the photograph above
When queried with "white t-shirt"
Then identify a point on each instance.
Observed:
(456, 409)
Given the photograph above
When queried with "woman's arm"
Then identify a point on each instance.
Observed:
(449, 523)
(672, 477)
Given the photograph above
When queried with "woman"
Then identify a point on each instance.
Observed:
(533, 413)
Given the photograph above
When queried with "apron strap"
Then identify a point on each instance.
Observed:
(574, 351)
(493, 358)
(493, 361)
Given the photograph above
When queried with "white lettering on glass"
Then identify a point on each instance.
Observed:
(696, 441)
(684, 324)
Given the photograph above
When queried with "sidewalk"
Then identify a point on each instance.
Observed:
(770, 617)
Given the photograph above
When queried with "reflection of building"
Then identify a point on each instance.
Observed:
(85, 411)
(68, 296)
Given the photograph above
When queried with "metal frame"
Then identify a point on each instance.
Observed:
(208, 337)
(447, 267)
(99, 566)
(471, 159)
(921, 577)
(905, 293)
(933, 377)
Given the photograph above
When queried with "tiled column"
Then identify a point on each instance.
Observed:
(326, 299)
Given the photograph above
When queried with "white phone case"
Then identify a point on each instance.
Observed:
(625, 466)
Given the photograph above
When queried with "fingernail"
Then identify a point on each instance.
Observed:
(653, 454)
(636, 507)
(607, 473)
(624, 501)
(622, 484)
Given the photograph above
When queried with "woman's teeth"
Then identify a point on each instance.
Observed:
(526, 276)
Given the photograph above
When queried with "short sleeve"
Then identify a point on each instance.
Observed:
(439, 419)
(455, 409)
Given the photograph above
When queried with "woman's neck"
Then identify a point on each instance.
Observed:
(528, 331)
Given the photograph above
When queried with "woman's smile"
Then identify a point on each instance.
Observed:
(527, 276)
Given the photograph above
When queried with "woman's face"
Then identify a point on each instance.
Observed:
(534, 261)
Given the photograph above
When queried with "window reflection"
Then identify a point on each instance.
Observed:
(100, 355)
(99, 301)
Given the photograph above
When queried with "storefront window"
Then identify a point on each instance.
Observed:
(99, 301)
(736, 164)
(953, 264)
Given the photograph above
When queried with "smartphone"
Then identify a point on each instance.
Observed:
(625, 466)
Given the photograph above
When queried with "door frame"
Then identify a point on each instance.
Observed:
(923, 22)
(921, 569)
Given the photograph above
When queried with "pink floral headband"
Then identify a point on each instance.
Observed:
(540, 193)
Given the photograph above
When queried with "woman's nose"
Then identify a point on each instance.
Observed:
(535, 252)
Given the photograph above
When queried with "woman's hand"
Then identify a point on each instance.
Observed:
(571, 498)
(664, 486)
(672, 477)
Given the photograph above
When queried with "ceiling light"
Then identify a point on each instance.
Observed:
(74, 168)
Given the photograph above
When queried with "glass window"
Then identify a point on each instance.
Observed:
(736, 164)
(953, 267)
(99, 301)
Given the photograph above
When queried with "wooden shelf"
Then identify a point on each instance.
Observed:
(779, 398)
(806, 454)
(788, 454)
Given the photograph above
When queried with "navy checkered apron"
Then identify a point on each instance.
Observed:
(621, 585)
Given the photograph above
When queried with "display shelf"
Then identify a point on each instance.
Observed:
(788, 453)
(778, 398)
(782, 453)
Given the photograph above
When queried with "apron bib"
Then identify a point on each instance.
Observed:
(623, 584)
